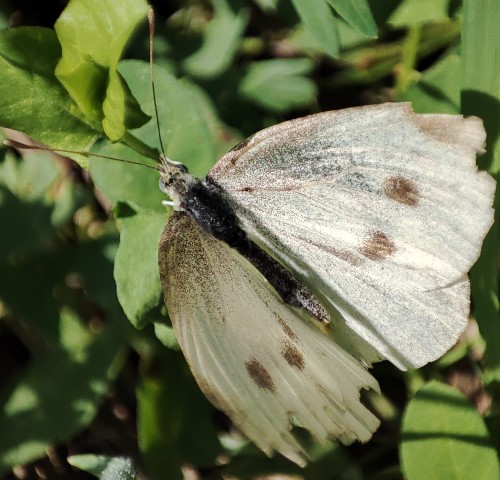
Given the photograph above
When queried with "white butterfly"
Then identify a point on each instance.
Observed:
(376, 214)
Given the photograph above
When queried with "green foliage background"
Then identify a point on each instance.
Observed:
(92, 378)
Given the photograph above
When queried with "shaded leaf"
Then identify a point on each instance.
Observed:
(318, 18)
(136, 264)
(357, 13)
(414, 12)
(437, 90)
(445, 437)
(279, 84)
(222, 37)
(174, 424)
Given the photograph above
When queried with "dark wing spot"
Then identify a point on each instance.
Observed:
(401, 190)
(287, 329)
(260, 375)
(292, 355)
(378, 246)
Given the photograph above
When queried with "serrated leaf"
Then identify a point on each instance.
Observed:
(357, 14)
(222, 37)
(33, 101)
(318, 18)
(279, 85)
(443, 436)
(93, 35)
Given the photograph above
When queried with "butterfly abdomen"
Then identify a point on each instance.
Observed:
(205, 203)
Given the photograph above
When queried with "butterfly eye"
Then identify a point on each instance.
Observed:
(163, 185)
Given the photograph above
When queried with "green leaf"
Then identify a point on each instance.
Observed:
(184, 130)
(120, 108)
(414, 12)
(187, 128)
(27, 420)
(222, 37)
(122, 182)
(20, 218)
(481, 97)
(33, 101)
(279, 85)
(318, 18)
(136, 264)
(357, 13)
(105, 468)
(445, 437)
(437, 90)
(28, 178)
(93, 36)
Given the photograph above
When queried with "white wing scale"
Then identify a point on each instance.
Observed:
(380, 211)
(254, 357)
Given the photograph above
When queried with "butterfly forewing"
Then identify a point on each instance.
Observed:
(255, 358)
(380, 211)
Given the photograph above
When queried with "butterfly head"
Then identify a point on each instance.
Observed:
(174, 180)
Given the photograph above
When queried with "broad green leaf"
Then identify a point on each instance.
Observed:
(443, 436)
(318, 18)
(33, 101)
(357, 13)
(279, 85)
(437, 90)
(481, 97)
(93, 36)
(122, 182)
(222, 37)
(105, 468)
(186, 136)
(136, 263)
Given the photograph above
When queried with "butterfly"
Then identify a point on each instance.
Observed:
(315, 248)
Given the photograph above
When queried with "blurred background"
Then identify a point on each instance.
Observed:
(92, 382)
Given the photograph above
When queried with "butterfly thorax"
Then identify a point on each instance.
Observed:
(207, 204)
(174, 180)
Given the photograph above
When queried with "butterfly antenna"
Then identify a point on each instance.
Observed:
(24, 146)
(151, 21)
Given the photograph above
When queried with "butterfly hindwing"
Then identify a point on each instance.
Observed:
(254, 357)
